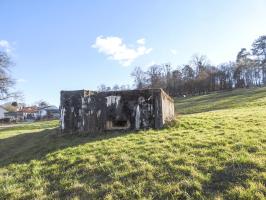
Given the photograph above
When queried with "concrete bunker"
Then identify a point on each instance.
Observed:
(93, 112)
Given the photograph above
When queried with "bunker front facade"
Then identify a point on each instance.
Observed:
(94, 112)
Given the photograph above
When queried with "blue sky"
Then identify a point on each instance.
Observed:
(67, 45)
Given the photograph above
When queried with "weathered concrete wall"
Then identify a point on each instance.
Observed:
(115, 110)
(168, 107)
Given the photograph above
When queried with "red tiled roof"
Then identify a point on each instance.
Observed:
(28, 110)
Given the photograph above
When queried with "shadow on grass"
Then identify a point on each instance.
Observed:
(35, 145)
(233, 174)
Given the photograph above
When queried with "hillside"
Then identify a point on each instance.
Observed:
(221, 100)
(207, 155)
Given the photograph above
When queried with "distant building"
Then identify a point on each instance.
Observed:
(94, 112)
(32, 113)
(29, 113)
(2, 112)
(48, 112)
(14, 116)
(23, 114)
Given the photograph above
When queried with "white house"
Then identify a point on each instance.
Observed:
(48, 112)
(2, 112)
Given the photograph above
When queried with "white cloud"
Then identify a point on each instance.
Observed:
(141, 41)
(116, 49)
(5, 45)
(21, 80)
(174, 51)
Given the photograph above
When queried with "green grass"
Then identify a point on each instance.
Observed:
(221, 100)
(207, 155)
(26, 127)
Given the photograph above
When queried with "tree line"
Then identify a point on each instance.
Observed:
(200, 77)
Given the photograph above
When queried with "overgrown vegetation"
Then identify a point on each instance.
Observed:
(207, 155)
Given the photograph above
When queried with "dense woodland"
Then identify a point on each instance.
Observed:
(200, 77)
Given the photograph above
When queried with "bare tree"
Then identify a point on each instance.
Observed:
(140, 78)
(200, 62)
(6, 82)
(116, 87)
(42, 103)
(157, 76)
(103, 88)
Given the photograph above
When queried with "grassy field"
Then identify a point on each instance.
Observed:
(207, 155)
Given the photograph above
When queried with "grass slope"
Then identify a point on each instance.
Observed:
(209, 155)
(221, 100)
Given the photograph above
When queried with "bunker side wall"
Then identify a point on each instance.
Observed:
(168, 108)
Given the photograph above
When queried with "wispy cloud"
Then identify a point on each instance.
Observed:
(173, 51)
(141, 41)
(21, 80)
(5, 46)
(116, 49)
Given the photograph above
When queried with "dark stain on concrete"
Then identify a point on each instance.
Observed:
(94, 112)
